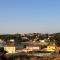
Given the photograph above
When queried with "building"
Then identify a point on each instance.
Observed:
(10, 49)
(32, 48)
(51, 48)
(2, 43)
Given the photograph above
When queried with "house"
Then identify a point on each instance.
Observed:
(32, 48)
(51, 48)
(2, 43)
(10, 49)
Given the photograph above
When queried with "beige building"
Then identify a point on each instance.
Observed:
(10, 49)
(32, 48)
(51, 48)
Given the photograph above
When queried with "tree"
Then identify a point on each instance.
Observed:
(2, 54)
(57, 38)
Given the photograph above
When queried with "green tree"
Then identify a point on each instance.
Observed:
(57, 38)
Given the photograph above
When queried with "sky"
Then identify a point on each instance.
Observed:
(29, 16)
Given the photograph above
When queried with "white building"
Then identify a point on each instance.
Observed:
(2, 43)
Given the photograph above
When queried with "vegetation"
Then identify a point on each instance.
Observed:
(2, 54)
(57, 38)
(17, 37)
